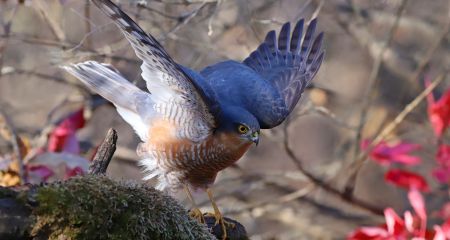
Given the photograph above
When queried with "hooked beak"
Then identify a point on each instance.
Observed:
(255, 138)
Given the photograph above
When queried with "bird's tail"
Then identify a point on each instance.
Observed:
(134, 105)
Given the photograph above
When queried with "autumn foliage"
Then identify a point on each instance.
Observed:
(413, 224)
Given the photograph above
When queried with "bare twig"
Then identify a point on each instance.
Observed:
(394, 61)
(7, 33)
(370, 90)
(430, 52)
(184, 20)
(67, 45)
(54, 24)
(356, 166)
(327, 113)
(43, 76)
(282, 199)
(87, 15)
(320, 183)
(185, 2)
(162, 13)
(104, 154)
(211, 18)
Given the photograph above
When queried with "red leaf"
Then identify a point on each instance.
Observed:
(444, 212)
(71, 172)
(409, 221)
(393, 229)
(385, 154)
(406, 179)
(41, 171)
(368, 233)
(442, 172)
(417, 202)
(446, 228)
(63, 137)
(442, 175)
(395, 225)
(439, 112)
(439, 233)
(443, 155)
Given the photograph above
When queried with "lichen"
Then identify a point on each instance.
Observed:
(96, 207)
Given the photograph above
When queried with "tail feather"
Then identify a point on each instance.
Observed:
(105, 81)
(134, 105)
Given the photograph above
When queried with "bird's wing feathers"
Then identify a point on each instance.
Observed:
(133, 104)
(177, 97)
(289, 63)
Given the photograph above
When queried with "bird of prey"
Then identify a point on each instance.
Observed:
(195, 124)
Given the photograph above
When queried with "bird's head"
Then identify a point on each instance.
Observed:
(239, 121)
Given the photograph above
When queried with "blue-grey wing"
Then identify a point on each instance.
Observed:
(236, 84)
(290, 63)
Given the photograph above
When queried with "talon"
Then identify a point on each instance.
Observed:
(196, 214)
(218, 216)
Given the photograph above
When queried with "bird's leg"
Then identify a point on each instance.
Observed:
(195, 211)
(218, 215)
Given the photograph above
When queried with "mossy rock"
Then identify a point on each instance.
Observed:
(96, 207)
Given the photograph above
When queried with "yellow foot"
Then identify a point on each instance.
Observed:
(196, 214)
(224, 224)
(218, 216)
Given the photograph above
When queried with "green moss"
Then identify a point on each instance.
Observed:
(96, 207)
(7, 193)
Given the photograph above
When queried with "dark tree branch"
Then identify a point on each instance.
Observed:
(104, 154)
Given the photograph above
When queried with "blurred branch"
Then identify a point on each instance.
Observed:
(353, 170)
(300, 193)
(162, 13)
(371, 89)
(7, 130)
(7, 33)
(11, 71)
(184, 20)
(431, 50)
(310, 107)
(319, 182)
(185, 2)
(67, 45)
(210, 29)
(405, 68)
(52, 23)
(87, 15)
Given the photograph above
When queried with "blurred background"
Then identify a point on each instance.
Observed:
(309, 177)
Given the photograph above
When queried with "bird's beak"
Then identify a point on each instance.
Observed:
(255, 138)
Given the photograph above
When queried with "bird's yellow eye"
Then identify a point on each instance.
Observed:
(242, 129)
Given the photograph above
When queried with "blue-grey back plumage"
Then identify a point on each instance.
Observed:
(270, 82)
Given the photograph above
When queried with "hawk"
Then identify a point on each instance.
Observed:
(195, 124)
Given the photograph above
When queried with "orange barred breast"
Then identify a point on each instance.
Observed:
(194, 163)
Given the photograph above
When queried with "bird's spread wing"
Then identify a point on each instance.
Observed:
(289, 63)
(177, 96)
